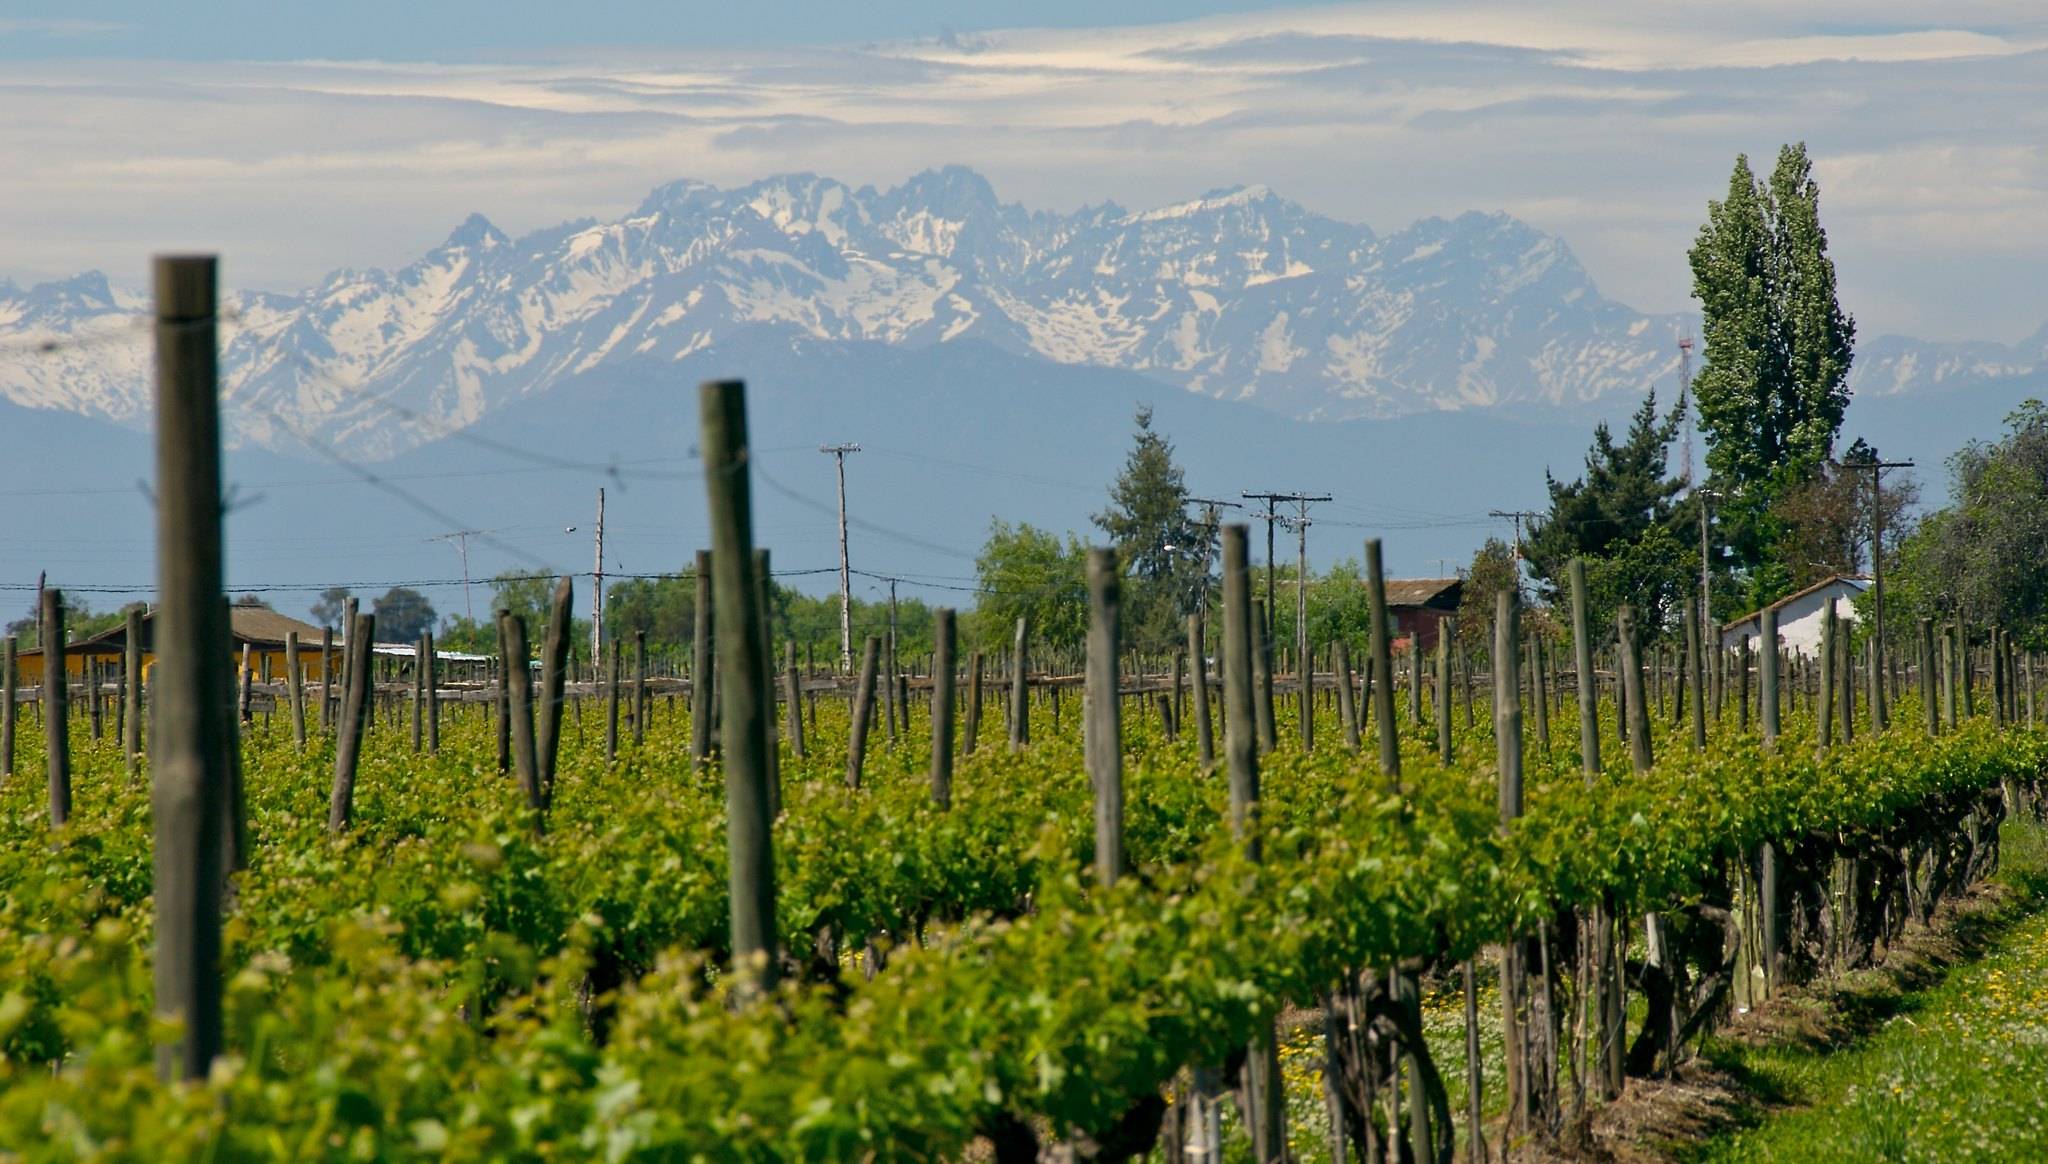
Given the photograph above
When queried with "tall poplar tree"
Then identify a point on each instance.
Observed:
(1778, 346)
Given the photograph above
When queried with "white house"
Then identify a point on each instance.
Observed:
(1800, 615)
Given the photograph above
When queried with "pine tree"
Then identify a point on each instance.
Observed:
(1163, 550)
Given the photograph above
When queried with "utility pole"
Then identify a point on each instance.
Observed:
(839, 452)
(1272, 516)
(1876, 469)
(597, 589)
(1518, 516)
(1210, 525)
(461, 539)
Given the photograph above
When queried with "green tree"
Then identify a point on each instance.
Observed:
(1985, 557)
(1778, 346)
(1027, 572)
(1164, 552)
(1493, 572)
(331, 606)
(403, 615)
(1626, 519)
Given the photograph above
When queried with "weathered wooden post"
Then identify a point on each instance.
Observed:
(1347, 694)
(743, 671)
(1443, 695)
(1383, 665)
(433, 681)
(703, 669)
(1205, 734)
(327, 679)
(1538, 697)
(1103, 723)
(8, 683)
(1522, 1072)
(350, 720)
(973, 727)
(1638, 710)
(1240, 745)
(1262, 678)
(942, 706)
(613, 675)
(1020, 693)
(1825, 726)
(863, 709)
(793, 697)
(554, 674)
(419, 693)
(56, 696)
(131, 690)
(519, 710)
(192, 736)
(642, 706)
(295, 688)
(1695, 677)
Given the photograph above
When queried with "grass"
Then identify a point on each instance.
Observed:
(1955, 1071)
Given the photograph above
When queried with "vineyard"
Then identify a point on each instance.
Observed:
(1195, 908)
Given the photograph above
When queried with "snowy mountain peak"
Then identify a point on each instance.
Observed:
(476, 232)
(1238, 293)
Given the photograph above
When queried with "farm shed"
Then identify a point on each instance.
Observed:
(259, 628)
(1419, 607)
(1800, 614)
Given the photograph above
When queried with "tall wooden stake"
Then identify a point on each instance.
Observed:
(742, 680)
(942, 705)
(56, 695)
(1103, 732)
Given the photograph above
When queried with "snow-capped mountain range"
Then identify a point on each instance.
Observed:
(1239, 294)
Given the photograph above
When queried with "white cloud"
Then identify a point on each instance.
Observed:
(1610, 124)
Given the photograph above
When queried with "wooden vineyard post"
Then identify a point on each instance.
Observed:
(1198, 676)
(1507, 741)
(1587, 681)
(793, 698)
(1695, 677)
(1638, 710)
(519, 709)
(295, 688)
(554, 674)
(1443, 695)
(1825, 720)
(1767, 676)
(192, 736)
(9, 664)
(1103, 721)
(502, 696)
(1767, 853)
(863, 709)
(131, 690)
(1262, 679)
(703, 671)
(1538, 693)
(1020, 693)
(743, 671)
(1347, 695)
(419, 693)
(1383, 665)
(973, 726)
(613, 674)
(56, 698)
(433, 682)
(350, 720)
(1845, 679)
(642, 707)
(1266, 1117)
(1874, 690)
(942, 705)
(327, 679)
(771, 743)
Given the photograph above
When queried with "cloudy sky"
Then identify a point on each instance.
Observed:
(297, 138)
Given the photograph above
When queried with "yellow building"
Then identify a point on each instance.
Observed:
(258, 628)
